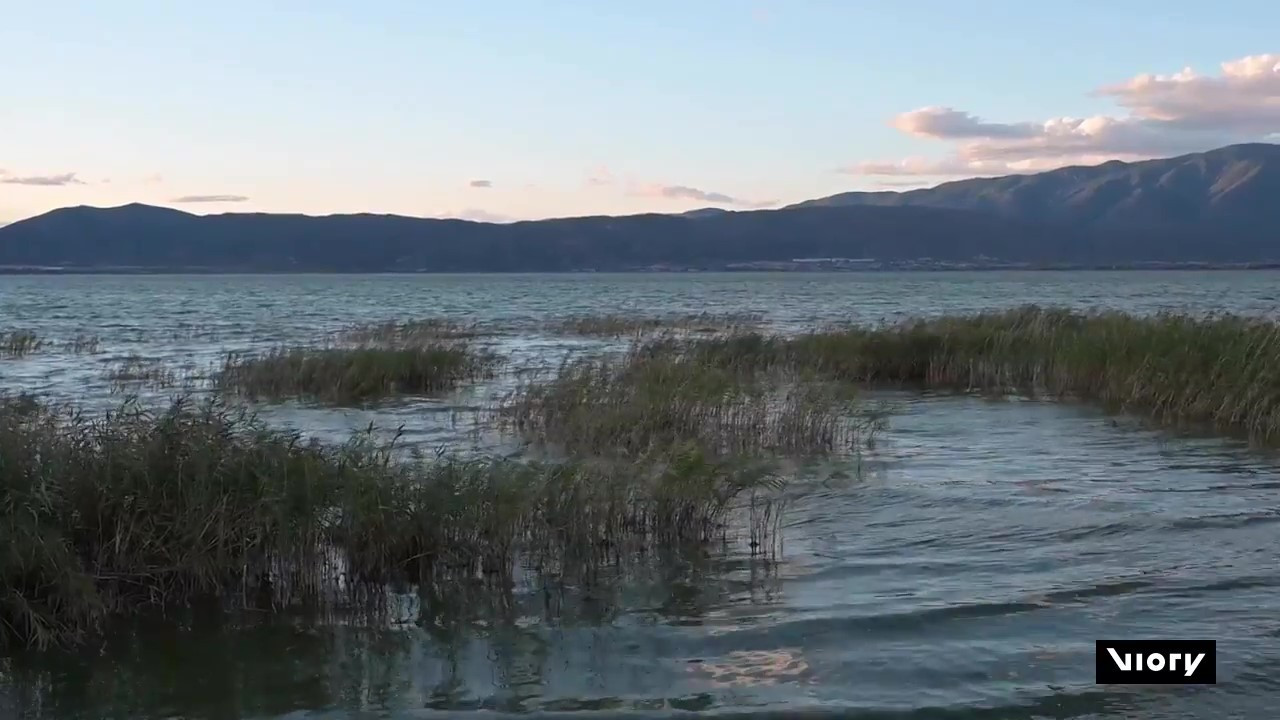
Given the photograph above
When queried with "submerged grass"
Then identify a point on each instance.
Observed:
(353, 375)
(19, 343)
(83, 344)
(139, 509)
(137, 371)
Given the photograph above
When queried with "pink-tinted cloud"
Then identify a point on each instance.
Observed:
(210, 199)
(1167, 115)
(684, 192)
(948, 124)
(42, 180)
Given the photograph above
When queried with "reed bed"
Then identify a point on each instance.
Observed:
(410, 333)
(137, 510)
(659, 394)
(343, 376)
(632, 325)
(19, 343)
(1221, 372)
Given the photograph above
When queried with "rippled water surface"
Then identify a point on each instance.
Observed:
(964, 572)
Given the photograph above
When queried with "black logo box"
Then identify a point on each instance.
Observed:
(1140, 655)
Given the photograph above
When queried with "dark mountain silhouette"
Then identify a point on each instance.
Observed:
(1216, 207)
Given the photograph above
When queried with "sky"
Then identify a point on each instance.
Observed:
(523, 109)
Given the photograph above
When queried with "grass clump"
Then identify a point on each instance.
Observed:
(1221, 371)
(19, 343)
(1217, 371)
(353, 375)
(83, 345)
(138, 509)
(138, 371)
(660, 395)
(141, 509)
(631, 325)
(409, 333)
(485, 515)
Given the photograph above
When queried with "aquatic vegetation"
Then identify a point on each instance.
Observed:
(353, 375)
(632, 325)
(83, 344)
(19, 343)
(410, 333)
(659, 395)
(138, 371)
(1218, 371)
(139, 509)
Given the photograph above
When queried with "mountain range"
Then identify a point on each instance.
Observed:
(1216, 207)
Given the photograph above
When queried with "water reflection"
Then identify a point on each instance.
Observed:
(541, 642)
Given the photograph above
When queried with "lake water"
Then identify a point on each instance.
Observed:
(965, 572)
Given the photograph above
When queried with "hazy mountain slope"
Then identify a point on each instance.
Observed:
(1238, 185)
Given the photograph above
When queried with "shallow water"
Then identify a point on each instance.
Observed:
(965, 573)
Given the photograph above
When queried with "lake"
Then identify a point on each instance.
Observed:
(964, 569)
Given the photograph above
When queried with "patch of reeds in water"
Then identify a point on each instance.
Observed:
(136, 372)
(83, 344)
(1221, 371)
(19, 343)
(1217, 371)
(340, 376)
(637, 325)
(139, 509)
(410, 333)
(660, 394)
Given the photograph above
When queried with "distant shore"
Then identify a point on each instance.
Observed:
(760, 267)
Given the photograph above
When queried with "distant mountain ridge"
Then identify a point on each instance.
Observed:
(1238, 183)
(1221, 206)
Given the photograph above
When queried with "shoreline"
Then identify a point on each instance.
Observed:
(939, 268)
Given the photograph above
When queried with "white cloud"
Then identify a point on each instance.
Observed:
(1167, 115)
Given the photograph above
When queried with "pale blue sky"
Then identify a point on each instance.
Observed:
(577, 107)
